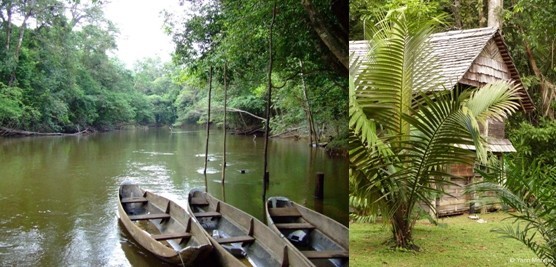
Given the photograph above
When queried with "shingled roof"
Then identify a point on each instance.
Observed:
(473, 57)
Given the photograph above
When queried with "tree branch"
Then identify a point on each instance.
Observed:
(548, 92)
(242, 111)
(335, 44)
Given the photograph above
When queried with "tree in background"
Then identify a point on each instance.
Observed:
(363, 13)
(237, 32)
(56, 74)
(532, 44)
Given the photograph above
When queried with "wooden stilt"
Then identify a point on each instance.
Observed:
(268, 104)
(319, 185)
(208, 130)
(225, 100)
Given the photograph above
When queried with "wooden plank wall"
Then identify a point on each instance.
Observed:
(453, 205)
(488, 67)
(496, 129)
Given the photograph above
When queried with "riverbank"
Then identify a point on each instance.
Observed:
(14, 132)
(335, 146)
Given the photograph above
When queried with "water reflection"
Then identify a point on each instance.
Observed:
(210, 170)
(21, 247)
(58, 194)
(153, 153)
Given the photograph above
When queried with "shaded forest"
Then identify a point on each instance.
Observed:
(58, 72)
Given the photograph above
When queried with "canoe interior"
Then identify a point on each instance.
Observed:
(162, 226)
(310, 236)
(261, 245)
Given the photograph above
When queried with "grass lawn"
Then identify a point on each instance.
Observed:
(461, 242)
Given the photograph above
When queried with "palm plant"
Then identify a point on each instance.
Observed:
(405, 130)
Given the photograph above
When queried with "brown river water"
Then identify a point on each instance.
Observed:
(58, 195)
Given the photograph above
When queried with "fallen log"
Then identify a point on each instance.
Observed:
(14, 132)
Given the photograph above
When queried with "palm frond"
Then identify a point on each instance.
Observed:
(399, 63)
(496, 101)
(529, 190)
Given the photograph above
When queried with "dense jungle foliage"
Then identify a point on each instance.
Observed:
(58, 72)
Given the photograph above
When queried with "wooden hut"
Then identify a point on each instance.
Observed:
(469, 58)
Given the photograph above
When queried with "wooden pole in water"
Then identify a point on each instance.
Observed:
(208, 130)
(319, 185)
(266, 174)
(225, 100)
(308, 112)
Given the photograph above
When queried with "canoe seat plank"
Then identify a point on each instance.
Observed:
(171, 236)
(207, 214)
(235, 239)
(134, 200)
(201, 201)
(327, 254)
(149, 216)
(294, 226)
(284, 212)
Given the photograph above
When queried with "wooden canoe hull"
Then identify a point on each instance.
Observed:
(179, 242)
(265, 248)
(327, 241)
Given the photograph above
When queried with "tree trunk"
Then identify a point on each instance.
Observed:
(308, 112)
(532, 61)
(547, 89)
(494, 13)
(401, 229)
(22, 28)
(266, 175)
(208, 130)
(9, 26)
(225, 100)
(457, 14)
(337, 45)
(20, 37)
(481, 8)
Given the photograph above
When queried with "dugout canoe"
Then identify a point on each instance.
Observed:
(161, 226)
(322, 240)
(238, 238)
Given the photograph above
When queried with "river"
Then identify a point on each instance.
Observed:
(58, 195)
